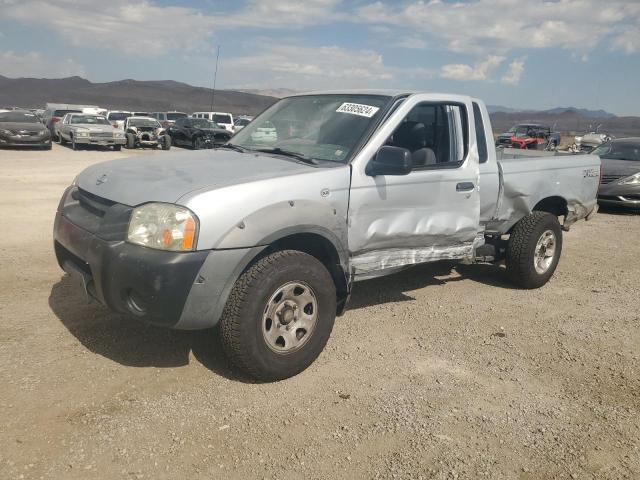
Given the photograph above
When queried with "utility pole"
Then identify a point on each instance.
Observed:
(215, 75)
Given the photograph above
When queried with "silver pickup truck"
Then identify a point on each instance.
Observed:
(264, 237)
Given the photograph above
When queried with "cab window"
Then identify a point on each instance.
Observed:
(436, 134)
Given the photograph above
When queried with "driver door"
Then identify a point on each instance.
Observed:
(431, 213)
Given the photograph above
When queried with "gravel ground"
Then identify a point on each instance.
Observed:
(442, 371)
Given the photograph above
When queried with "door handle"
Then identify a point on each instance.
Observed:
(465, 187)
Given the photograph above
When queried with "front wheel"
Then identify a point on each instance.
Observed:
(279, 315)
(166, 143)
(534, 249)
(131, 141)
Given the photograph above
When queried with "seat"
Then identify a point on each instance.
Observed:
(413, 136)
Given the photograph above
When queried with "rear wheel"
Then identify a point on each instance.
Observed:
(534, 250)
(279, 315)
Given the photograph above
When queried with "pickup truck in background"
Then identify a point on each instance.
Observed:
(529, 136)
(265, 239)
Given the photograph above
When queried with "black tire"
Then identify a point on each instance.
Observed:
(522, 246)
(117, 148)
(131, 141)
(197, 143)
(166, 144)
(241, 324)
(74, 145)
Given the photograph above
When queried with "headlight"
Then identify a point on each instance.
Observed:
(5, 132)
(163, 226)
(118, 135)
(632, 180)
(82, 134)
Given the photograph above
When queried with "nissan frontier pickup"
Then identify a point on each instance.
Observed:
(265, 239)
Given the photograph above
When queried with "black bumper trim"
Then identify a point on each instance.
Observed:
(151, 284)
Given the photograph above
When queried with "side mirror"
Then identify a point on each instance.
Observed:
(390, 161)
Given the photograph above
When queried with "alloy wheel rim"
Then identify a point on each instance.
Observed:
(544, 252)
(290, 317)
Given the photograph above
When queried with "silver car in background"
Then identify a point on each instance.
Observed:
(86, 129)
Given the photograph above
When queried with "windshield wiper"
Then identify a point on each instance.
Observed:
(233, 146)
(288, 153)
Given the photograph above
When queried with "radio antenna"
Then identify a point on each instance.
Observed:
(215, 75)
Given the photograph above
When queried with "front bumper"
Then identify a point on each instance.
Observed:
(100, 141)
(183, 290)
(25, 140)
(150, 284)
(614, 194)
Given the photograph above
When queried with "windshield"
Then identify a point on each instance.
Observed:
(218, 118)
(175, 115)
(89, 119)
(144, 122)
(62, 113)
(114, 117)
(203, 123)
(619, 151)
(322, 127)
(242, 122)
(19, 117)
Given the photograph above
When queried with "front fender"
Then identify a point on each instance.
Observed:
(276, 221)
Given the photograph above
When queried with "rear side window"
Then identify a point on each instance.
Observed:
(222, 118)
(483, 153)
(175, 115)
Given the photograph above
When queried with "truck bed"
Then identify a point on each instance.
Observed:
(529, 177)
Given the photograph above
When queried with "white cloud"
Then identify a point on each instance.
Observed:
(483, 27)
(480, 71)
(282, 14)
(307, 68)
(34, 64)
(628, 41)
(514, 72)
(142, 28)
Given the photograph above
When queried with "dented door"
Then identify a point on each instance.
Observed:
(433, 212)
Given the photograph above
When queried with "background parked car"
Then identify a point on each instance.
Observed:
(117, 117)
(168, 118)
(224, 119)
(587, 142)
(146, 132)
(197, 133)
(620, 181)
(23, 128)
(51, 116)
(86, 129)
(530, 136)
(241, 122)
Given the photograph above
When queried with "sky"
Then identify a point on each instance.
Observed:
(517, 53)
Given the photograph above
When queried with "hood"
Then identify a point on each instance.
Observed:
(29, 127)
(167, 178)
(214, 130)
(619, 167)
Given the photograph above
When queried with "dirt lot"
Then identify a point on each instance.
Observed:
(439, 372)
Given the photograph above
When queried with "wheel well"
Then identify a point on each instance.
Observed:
(554, 205)
(321, 248)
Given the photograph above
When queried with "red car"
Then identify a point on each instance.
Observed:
(529, 136)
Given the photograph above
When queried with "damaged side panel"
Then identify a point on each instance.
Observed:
(524, 187)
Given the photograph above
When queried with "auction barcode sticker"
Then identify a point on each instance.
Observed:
(358, 109)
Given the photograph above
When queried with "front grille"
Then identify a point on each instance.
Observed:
(101, 135)
(92, 203)
(611, 178)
